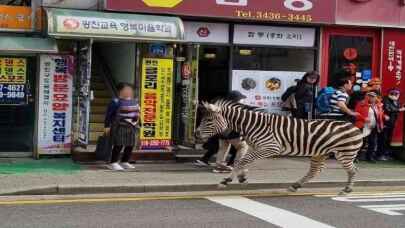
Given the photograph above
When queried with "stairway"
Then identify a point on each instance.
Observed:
(102, 97)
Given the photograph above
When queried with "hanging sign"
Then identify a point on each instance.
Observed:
(392, 71)
(55, 104)
(202, 32)
(13, 78)
(264, 88)
(15, 18)
(156, 103)
(274, 36)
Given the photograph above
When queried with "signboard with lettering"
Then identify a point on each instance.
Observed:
(75, 23)
(203, 32)
(274, 36)
(55, 104)
(156, 103)
(15, 18)
(293, 11)
(13, 78)
(392, 71)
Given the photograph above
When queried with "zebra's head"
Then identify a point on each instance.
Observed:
(212, 123)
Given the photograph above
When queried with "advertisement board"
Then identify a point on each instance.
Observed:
(15, 18)
(55, 104)
(156, 103)
(203, 32)
(292, 11)
(13, 81)
(264, 88)
(392, 72)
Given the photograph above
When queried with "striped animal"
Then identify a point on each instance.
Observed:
(272, 135)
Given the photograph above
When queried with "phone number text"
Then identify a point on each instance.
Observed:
(273, 16)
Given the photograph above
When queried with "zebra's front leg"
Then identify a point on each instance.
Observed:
(317, 164)
(348, 164)
(224, 183)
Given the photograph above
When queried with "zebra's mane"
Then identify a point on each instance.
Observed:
(232, 104)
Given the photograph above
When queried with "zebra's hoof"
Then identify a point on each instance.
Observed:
(292, 189)
(242, 180)
(346, 190)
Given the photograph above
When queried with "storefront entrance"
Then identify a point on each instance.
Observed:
(17, 104)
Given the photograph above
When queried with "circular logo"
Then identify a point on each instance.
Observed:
(350, 54)
(186, 71)
(203, 32)
(162, 3)
(71, 24)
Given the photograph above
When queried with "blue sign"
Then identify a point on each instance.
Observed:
(158, 49)
(366, 75)
(11, 94)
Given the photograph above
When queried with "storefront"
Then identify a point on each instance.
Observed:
(238, 45)
(19, 100)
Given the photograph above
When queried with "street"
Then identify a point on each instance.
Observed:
(357, 211)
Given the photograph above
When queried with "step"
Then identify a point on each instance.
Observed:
(98, 109)
(98, 86)
(102, 93)
(101, 101)
(96, 127)
(97, 118)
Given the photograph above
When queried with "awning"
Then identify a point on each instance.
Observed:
(64, 23)
(28, 45)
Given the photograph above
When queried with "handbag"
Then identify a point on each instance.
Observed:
(289, 104)
(103, 148)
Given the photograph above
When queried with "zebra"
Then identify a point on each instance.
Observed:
(272, 135)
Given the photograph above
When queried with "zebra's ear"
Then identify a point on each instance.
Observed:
(213, 108)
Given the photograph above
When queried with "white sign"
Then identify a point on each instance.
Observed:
(71, 4)
(55, 104)
(116, 27)
(274, 36)
(201, 32)
(264, 88)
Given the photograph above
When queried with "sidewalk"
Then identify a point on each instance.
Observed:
(65, 177)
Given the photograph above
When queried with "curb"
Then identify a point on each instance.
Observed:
(95, 189)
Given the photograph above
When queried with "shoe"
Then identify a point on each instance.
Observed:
(222, 169)
(115, 166)
(382, 158)
(127, 165)
(201, 163)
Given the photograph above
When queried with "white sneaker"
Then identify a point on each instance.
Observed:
(126, 165)
(115, 166)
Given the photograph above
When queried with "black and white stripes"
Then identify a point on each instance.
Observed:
(274, 135)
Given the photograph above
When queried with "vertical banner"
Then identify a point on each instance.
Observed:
(392, 72)
(84, 76)
(156, 103)
(13, 81)
(55, 104)
(264, 88)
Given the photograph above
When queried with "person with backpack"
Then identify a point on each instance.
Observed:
(333, 105)
(303, 96)
(122, 124)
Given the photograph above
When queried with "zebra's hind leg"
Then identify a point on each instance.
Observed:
(347, 161)
(224, 183)
(317, 164)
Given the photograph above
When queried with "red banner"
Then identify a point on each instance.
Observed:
(294, 11)
(392, 72)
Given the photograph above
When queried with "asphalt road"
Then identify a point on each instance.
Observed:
(369, 211)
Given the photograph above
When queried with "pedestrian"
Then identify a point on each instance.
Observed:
(122, 124)
(339, 100)
(371, 120)
(392, 108)
(303, 94)
(226, 141)
(374, 85)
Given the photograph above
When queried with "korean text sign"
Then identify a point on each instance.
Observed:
(13, 79)
(293, 11)
(156, 103)
(55, 104)
(392, 73)
(15, 18)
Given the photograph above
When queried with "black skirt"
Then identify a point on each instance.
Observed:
(124, 134)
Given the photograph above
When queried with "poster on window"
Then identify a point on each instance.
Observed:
(13, 81)
(156, 103)
(392, 72)
(55, 104)
(264, 88)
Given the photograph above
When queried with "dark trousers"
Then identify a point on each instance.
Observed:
(375, 143)
(212, 146)
(116, 153)
(388, 132)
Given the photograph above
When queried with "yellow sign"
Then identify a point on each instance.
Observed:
(162, 3)
(156, 103)
(13, 70)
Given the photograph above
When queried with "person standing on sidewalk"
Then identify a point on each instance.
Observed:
(122, 124)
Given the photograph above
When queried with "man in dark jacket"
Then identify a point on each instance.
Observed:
(392, 108)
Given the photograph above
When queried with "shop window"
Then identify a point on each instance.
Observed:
(351, 53)
(273, 59)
